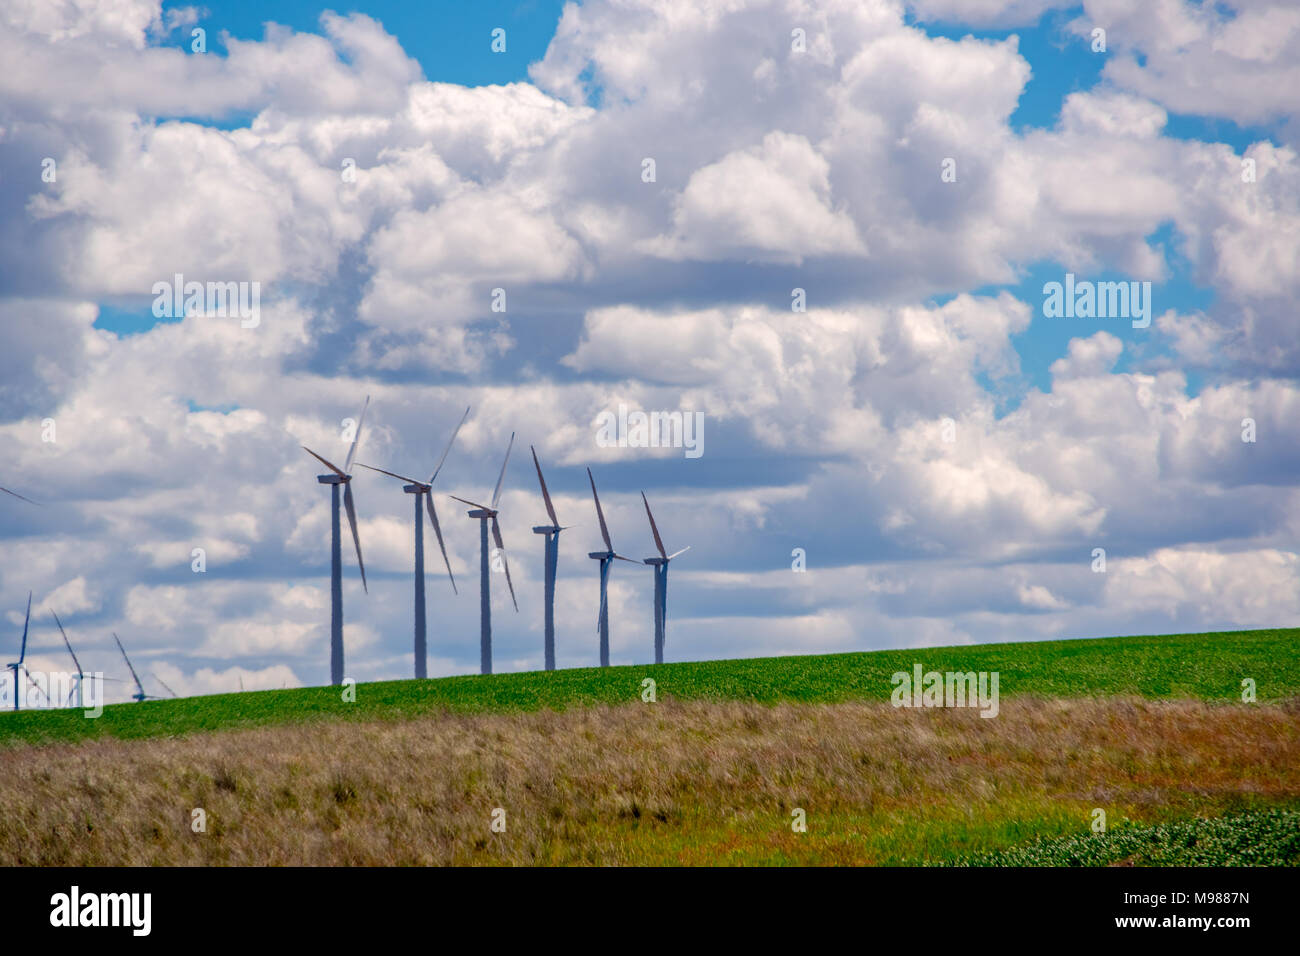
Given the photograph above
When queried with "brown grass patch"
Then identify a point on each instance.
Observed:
(691, 783)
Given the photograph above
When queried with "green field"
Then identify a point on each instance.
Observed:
(1152, 731)
(1259, 838)
(1187, 666)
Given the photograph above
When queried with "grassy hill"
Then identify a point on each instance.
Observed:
(1186, 666)
(1150, 730)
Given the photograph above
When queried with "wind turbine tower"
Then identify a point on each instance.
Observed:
(17, 665)
(484, 514)
(660, 565)
(336, 478)
(552, 532)
(606, 558)
(424, 490)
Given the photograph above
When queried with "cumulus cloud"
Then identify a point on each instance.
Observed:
(1236, 59)
(770, 202)
(799, 270)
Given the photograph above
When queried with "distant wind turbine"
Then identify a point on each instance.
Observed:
(17, 665)
(552, 532)
(484, 514)
(139, 694)
(424, 490)
(606, 558)
(79, 674)
(660, 565)
(341, 476)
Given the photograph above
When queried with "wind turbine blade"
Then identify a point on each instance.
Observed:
(472, 504)
(134, 675)
(604, 529)
(675, 553)
(658, 541)
(20, 497)
(66, 642)
(352, 523)
(22, 653)
(546, 495)
(332, 467)
(356, 436)
(628, 560)
(164, 683)
(31, 680)
(433, 520)
(68, 702)
(391, 474)
(600, 615)
(501, 549)
(496, 494)
(438, 467)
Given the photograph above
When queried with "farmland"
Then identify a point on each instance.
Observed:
(1189, 666)
(574, 767)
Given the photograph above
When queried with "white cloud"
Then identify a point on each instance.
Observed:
(772, 202)
(825, 429)
(71, 597)
(1238, 59)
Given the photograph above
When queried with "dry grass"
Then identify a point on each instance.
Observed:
(694, 783)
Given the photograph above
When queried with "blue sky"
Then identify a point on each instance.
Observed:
(439, 35)
(947, 456)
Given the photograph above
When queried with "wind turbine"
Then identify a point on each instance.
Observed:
(552, 532)
(80, 675)
(660, 565)
(423, 490)
(341, 476)
(22, 652)
(139, 694)
(606, 558)
(484, 513)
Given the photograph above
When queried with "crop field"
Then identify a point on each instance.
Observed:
(1187, 666)
(574, 767)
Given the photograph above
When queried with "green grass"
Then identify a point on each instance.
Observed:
(1201, 666)
(1260, 838)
